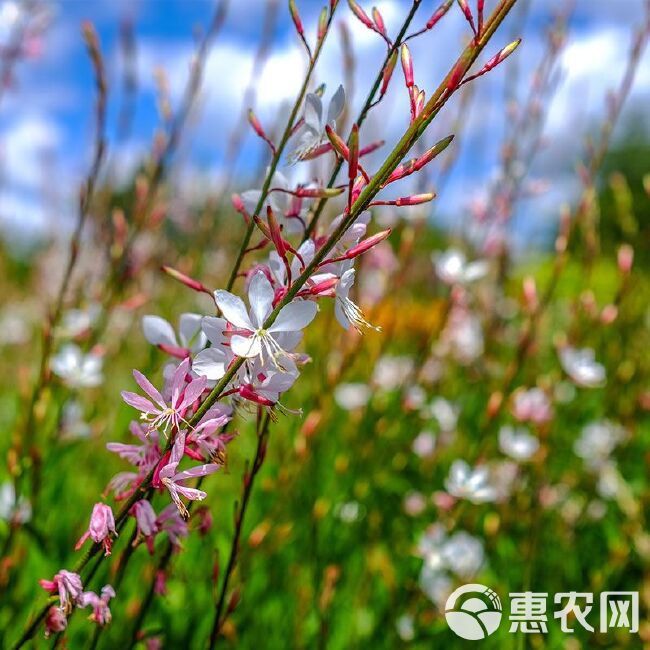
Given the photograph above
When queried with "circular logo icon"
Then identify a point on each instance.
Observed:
(473, 612)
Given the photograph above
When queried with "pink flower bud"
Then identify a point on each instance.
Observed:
(295, 16)
(388, 72)
(407, 65)
(186, 280)
(55, 621)
(360, 14)
(102, 525)
(439, 13)
(353, 162)
(379, 21)
(530, 293)
(625, 258)
(609, 314)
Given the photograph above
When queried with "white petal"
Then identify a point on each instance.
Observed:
(294, 316)
(336, 105)
(158, 331)
(210, 363)
(233, 308)
(214, 328)
(250, 199)
(245, 346)
(189, 327)
(260, 297)
(313, 112)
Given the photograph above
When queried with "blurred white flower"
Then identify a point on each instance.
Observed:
(11, 511)
(452, 267)
(72, 422)
(190, 335)
(436, 585)
(348, 512)
(445, 412)
(610, 482)
(352, 396)
(462, 336)
(532, 405)
(77, 321)
(597, 441)
(517, 443)
(77, 369)
(424, 444)
(414, 504)
(391, 372)
(405, 627)
(582, 367)
(474, 485)
(463, 554)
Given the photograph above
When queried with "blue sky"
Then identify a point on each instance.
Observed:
(46, 117)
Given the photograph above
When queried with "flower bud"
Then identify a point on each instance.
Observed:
(625, 258)
(407, 65)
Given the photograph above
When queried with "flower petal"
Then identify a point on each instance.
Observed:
(189, 328)
(138, 402)
(336, 105)
(210, 363)
(233, 308)
(193, 392)
(158, 331)
(195, 472)
(313, 112)
(295, 316)
(149, 388)
(245, 346)
(214, 329)
(260, 297)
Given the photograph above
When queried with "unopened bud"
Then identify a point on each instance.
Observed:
(295, 16)
(353, 162)
(415, 199)
(322, 24)
(407, 65)
(186, 280)
(388, 72)
(234, 601)
(339, 146)
(530, 293)
(379, 21)
(609, 314)
(366, 244)
(360, 14)
(625, 258)
(439, 13)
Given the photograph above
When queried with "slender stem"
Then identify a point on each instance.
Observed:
(249, 479)
(370, 103)
(275, 160)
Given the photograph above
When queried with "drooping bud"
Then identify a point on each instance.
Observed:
(407, 65)
(259, 130)
(361, 14)
(388, 72)
(467, 12)
(186, 280)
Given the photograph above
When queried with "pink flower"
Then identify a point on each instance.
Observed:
(69, 587)
(145, 519)
(532, 405)
(175, 481)
(101, 612)
(144, 456)
(102, 524)
(162, 414)
(55, 621)
(171, 522)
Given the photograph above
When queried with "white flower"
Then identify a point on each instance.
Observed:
(436, 585)
(445, 412)
(312, 131)
(213, 361)
(582, 367)
(351, 396)
(77, 369)
(252, 339)
(464, 482)
(72, 422)
(405, 627)
(348, 512)
(597, 441)
(159, 332)
(463, 335)
(463, 554)
(452, 267)
(347, 312)
(517, 443)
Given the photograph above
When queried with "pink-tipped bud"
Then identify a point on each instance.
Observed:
(318, 192)
(366, 244)
(407, 65)
(339, 146)
(609, 314)
(248, 393)
(456, 76)
(322, 24)
(415, 199)
(419, 103)
(353, 162)
(379, 21)
(255, 123)
(625, 258)
(361, 14)
(436, 150)
(388, 72)
(439, 13)
(238, 204)
(193, 284)
(295, 16)
(501, 56)
(530, 293)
